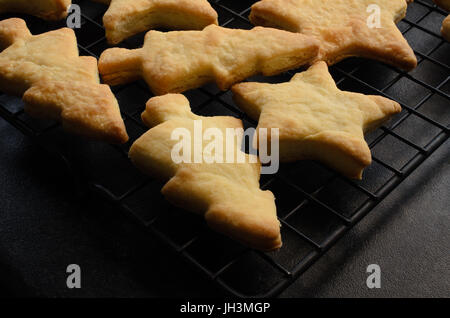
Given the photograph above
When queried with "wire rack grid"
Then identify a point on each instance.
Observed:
(316, 206)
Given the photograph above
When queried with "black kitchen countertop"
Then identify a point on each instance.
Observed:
(45, 225)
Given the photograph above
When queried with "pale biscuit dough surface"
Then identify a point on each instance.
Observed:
(345, 28)
(56, 83)
(125, 18)
(227, 194)
(177, 61)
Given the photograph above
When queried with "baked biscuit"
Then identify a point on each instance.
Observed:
(227, 194)
(125, 18)
(342, 27)
(45, 9)
(316, 120)
(56, 83)
(445, 4)
(177, 61)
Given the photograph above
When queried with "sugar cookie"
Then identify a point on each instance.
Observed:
(227, 194)
(345, 28)
(56, 83)
(125, 18)
(174, 62)
(316, 120)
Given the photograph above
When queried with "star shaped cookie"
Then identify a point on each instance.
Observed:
(45, 9)
(125, 18)
(227, 194)
(177, 61)
(345, 28)
(56, 83)
(316, 120)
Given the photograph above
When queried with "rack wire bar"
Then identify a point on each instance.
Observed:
(312, 215)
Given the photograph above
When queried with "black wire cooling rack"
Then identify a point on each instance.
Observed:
(316, 206)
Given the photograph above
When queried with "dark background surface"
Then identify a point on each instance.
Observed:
(45, 226)
(46, 223)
